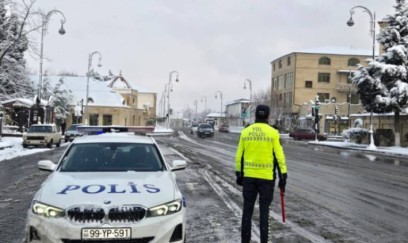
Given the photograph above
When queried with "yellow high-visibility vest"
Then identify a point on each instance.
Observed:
(258, 144)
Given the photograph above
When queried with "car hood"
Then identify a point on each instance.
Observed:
(148, 189)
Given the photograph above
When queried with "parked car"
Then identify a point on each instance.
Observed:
(42, 135)
(205, 130)
(307, 134)
(193, 128)
(224, 128)
(72, 133)
(109, 188)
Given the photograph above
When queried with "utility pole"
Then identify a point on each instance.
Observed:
(317, 102)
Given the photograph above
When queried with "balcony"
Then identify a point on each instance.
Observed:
(343, 87)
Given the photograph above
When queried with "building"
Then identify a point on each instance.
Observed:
(109, 103)
(301, 77)
(238, 112)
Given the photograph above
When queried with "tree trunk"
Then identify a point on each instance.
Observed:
(397, 129)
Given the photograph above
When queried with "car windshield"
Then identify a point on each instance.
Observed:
(205, 126)
(72, 128)
(103, 157)
(42, 129)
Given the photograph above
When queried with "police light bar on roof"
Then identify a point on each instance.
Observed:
(95, 130)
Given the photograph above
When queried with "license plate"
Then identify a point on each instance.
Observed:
(206, 133)
(106, 233)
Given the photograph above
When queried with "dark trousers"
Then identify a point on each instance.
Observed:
(251, 188)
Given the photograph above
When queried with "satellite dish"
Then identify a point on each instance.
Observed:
(333, 100)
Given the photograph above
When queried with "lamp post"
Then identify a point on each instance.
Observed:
(44, 22)
(316, 110)
(170, 89)
(250, 96)
(87, 80)
(350, 23)
(196, 103)
(220, 93)
(204, 98)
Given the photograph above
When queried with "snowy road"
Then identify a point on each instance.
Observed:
(332, 195)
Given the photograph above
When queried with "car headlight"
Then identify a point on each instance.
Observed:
(165, 209)
(46, 210)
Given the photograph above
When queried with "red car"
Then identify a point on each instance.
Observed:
(223, 128)
(307, 134)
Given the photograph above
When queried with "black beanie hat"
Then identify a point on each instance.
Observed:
(262, 112)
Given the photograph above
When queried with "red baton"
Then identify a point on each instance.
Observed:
(282, 194)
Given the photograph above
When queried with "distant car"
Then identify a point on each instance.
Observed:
(306, 134)
(42, 135)
(109, 188)
(193, 128)
(205, 130)
(224, 128)
(72, 133)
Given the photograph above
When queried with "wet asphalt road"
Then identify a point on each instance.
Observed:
(332, 195)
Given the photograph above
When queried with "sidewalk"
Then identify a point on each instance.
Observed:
(390, 151)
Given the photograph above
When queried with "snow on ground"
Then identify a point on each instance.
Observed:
(11, 147)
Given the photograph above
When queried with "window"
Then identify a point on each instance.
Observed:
(281, 82)
(289, 61)
(352, 62)
(287, 102)
(355, 99)
(323, 97)
(308, 84)
(107, 120)
(350, 77)
(324, 61)
(323, 77)
(273, 66)
(93, 119)
(288, 80)
(280, 63)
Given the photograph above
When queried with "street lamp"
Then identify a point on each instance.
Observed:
(87, 80)
(220, 93)
(204, 98)
(196, 103)
(45, 18)
(170, 89)
(350, 23)
(250, 95)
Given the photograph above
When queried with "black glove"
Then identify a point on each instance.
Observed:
(239, 178)
(282, 181)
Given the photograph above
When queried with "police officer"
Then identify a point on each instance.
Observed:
(254, 166)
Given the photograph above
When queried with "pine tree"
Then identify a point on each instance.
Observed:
(61, 100)
(383, 84)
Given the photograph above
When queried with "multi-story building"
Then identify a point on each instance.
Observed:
(301, 77)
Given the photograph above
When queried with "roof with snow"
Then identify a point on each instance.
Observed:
(101, 94)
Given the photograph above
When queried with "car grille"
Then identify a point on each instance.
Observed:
(35, 138)
(125, 214)
(138, 240)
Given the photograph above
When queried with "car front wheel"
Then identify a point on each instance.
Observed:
(50, 144)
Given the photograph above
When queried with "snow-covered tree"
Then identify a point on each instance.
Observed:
(383, 84)
(60, 101)
(13, 80)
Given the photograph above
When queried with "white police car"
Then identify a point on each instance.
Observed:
(109, 188)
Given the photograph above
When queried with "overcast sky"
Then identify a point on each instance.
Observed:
(213, 44)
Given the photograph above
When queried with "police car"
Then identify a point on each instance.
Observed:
(109, 188)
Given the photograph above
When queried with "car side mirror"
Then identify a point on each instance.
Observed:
(178, 165)
(46, 165)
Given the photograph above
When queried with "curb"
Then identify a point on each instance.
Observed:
(376, 152)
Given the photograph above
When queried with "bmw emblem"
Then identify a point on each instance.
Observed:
(107, 201)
